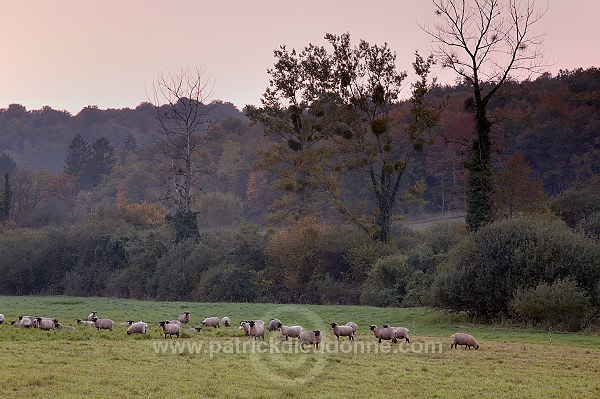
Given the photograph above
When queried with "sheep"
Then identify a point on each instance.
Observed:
(245, 326)
(1, 318)
(137, 328)
(32, 319)
(45, 324)
(257, 329)
(273, 324)
(463, 339)
(193, 330)
(169, 328)
(291, 331)
(103, 324)
(184, 317)
(384, 333)
(353, 325)
(211, 322)
(25, 322)
(85, 322)
(91, 316)
(60, 327)
(226, 321)
(401, 333)
(126, 323)
(310, 338)
(342, 331)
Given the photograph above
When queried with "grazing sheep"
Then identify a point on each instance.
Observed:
(353, 325)
(401, 333)
(245, 326)
(463, 339)
(45, 323)
(60, 327)
(257, 329)
(273, 324)
(184, 317)
(33, 319)
(226, 321)
(25, 322)
(137, 328)
(1, 318)
(126, 323)
(169, 328)
(310, 338)
(193, 330)
(91, 316)
(384, 333)
(103, 324)
(211, 322)
(342, 331)
(85, 322)
(291, 331)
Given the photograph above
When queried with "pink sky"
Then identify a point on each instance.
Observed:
(72, 53)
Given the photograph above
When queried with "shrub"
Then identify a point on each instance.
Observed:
(562, 304)
(386, 284)
(484, 270)
(574, 206)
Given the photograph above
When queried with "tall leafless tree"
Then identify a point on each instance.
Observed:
(485, 42)
(181, 100)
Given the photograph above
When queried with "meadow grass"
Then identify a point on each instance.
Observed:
(512, 362)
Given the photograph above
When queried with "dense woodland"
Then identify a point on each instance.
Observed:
(85, 212)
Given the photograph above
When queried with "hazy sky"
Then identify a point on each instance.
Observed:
(72, 53)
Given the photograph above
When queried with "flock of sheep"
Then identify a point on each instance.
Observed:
(252, 328)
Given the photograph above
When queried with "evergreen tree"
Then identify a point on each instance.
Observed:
(7, 165)
(101, 161)
(79, 154)
(6, 198)
(130, 144)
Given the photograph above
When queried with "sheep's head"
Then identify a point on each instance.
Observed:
(317, 333)
(94, 319)
(279, 325)
(373, 327)
(386, 326)
(162, 323)
(39, 319)
(252, 323)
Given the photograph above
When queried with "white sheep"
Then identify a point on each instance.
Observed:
(353, 325)
(184, 317)
(32, 319)
(126, 323)
(211, 322)
(342, 331)
(291, 331)
(169, 328)
(310, 338)
(226, 321)
(273, 324)
(463, 339)
(24, 322)
(92, 315)
(85, 322)
(257, 329)
(45, 323)
(193, 330)
(60, 327)
(103, 324)
(245, 326)
(1, 318)
(137, 328)
(401, 333)
(384, 333)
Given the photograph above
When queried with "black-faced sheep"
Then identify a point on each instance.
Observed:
(169, 328)
(464, 339)
(342, 331)
(289, 331)
(310, 338)
(273, 324)
(353, 325)
(137, 328)
(257, 329)
(401, 333)
(384, 333)
(226, 321)
(85, 322)
(211, 322)
(184, 317)
(45, 324)
(91, 316)
(103, 324)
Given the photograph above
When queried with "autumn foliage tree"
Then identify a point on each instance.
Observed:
(516, 189)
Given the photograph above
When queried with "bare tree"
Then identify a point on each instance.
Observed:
(485, 42)
(180, 98)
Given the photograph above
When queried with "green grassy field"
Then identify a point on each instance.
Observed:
(511, 362)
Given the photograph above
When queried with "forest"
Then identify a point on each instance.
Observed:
(88, 208)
